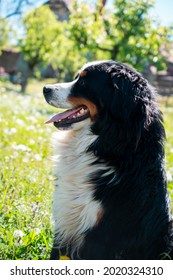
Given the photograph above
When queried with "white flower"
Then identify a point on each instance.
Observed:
(31, 127)
(33, 180)
(20, 122)
(22, 208)
(37, 231)
(13, 130)
(3, 89)
(10, 131)
(35, 207)
(31, 119)
(38, 157)
(18, 234)
(31, 141)
(25, 159)
(22, 147)
(15, 155)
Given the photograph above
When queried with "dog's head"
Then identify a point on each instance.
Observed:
(82, 97)
(113, 97)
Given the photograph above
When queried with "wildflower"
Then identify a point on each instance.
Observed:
(15, 155)
(31, 118)
(31, 141)
(18, 234)
(35, 207)
(20, 122)
(37, 231)
(22, 147)
(31, 127)
(64, 258)
(25, 159)
(21, 207)
(38, 157)
(10, 131)
(2, 89)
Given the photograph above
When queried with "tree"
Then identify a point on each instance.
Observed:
(5, 33)
(16, 7)
(40, 39)
(48, 41)
(125, 33)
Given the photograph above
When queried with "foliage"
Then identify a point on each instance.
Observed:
(66, 55)
(46, 40)
(41, 36)
(5, 33)
(126, 33)
(26, 182)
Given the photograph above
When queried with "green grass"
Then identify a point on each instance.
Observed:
(26, 180)
(26, 170)
(167, 109)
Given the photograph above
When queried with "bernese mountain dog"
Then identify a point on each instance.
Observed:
(110, 199)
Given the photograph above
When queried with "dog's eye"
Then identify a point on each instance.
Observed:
(81, 82)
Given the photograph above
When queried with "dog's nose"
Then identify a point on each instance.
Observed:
(47, 90)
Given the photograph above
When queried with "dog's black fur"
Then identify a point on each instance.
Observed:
(136, 223)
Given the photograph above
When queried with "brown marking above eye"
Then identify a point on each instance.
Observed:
(83, 73)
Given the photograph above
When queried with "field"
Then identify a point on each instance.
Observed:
(26, 170)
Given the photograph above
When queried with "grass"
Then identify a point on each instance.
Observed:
(166, 104)
(26, 171)
(26, 188)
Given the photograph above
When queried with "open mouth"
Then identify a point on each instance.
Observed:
(65, 119)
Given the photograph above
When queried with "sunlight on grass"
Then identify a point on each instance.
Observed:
(26, 171)
(26, 175)
(167, 108)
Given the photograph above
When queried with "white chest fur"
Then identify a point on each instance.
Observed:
(74, 208)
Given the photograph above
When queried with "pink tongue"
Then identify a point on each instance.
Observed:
(64, 115)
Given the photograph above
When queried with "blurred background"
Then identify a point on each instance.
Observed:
(52, 39)
(45, 42)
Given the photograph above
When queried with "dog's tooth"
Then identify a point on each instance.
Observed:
(82, 111)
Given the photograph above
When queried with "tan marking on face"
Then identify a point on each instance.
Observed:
(82, 101)
(83, 73)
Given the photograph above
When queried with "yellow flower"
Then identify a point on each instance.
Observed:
(64, 258)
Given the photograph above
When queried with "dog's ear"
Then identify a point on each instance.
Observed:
(128, 115)
(131, 105)
(132, 96)
(130, 108)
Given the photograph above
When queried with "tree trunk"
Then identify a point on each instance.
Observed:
(115, 52)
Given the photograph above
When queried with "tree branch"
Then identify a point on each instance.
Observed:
(18, 9)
